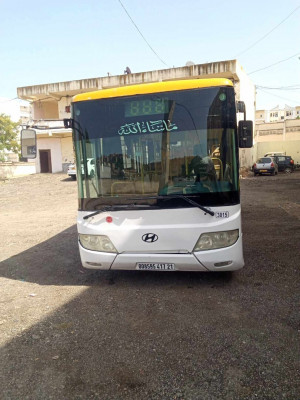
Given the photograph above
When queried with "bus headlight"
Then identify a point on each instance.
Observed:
(216, 240)
(97, 243)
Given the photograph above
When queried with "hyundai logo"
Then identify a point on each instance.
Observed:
(149, 237)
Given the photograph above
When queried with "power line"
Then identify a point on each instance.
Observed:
(142, 34)
(292, 87)
(278, 62)
(267, 34)
(284, 98)
(6, 101)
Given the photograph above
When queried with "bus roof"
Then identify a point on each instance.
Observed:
(155, 87)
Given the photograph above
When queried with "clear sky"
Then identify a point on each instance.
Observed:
(53, 41)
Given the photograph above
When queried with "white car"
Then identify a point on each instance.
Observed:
(90, 168)
(72, 171)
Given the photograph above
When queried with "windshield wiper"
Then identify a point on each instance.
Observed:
(178, 196)
(116, 207)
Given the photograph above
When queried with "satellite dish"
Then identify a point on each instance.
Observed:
(189, 63)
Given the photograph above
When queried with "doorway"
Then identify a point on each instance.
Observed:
(45, 161)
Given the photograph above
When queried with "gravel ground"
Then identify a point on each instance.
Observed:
(67, 333)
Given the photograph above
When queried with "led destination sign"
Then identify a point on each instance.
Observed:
(138, 108)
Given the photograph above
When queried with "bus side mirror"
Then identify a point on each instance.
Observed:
(28, 143)
(240, 107)
(245, 132)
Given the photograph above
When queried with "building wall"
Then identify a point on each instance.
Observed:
(289, 148)
(278, 136)
(45, 110)
(261, 116)
(54, 145)
(62, 104)
(276, 115)
(25, 114)
(9, 170)
(67, 152)
(245, 91)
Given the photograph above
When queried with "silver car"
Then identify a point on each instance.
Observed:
(265, 165)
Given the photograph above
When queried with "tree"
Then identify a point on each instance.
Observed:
(9, 133)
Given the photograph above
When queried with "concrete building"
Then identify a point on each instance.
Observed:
(261, 116)
(51, 103)
(25, 113)
(278, 130)
(277, 114)
(16, 109)
(19, 111)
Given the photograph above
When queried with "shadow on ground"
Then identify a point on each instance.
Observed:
(134, 335)
(56, 262)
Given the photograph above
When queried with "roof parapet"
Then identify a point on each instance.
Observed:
(221, 69)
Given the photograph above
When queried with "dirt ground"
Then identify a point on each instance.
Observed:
(67, 333)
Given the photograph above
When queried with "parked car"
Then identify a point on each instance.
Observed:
(72, 171)
(265, 165)
(274, 153)
(90, 168)
(285, 163)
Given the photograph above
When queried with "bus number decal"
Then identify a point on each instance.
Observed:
(222, 214)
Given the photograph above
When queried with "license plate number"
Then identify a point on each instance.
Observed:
(263, 170)
(155, 266)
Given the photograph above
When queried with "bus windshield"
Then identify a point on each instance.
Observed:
(158, 144)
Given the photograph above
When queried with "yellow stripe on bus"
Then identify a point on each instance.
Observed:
(155, 87)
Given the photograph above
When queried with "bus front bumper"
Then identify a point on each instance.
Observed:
(225, 259)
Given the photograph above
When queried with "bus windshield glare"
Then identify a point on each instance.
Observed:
(174, 143)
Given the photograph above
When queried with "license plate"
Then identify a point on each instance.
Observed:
(155, 266)
(263, 170)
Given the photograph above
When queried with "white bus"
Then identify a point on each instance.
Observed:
(163, 193)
